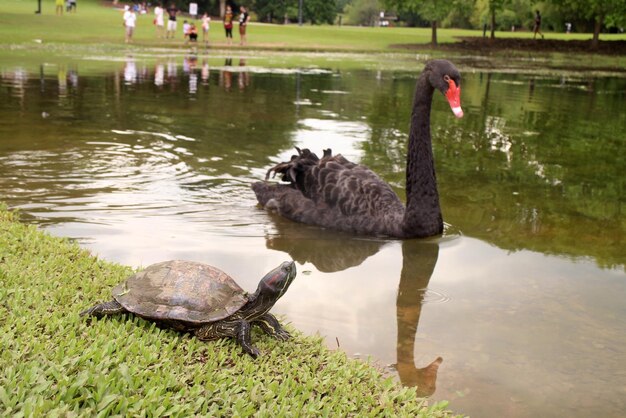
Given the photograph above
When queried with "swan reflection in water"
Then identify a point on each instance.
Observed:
(418, 263)
(331, 251)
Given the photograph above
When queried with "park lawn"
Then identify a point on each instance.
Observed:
(55, 363)
(98, 23)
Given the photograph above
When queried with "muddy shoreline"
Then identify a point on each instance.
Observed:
(514, 54)
(486, 45)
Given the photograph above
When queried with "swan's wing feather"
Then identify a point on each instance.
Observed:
(341, 184)
(332, 192)
(291, 203)
(293, 170)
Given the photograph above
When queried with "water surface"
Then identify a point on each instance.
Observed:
(518, 310)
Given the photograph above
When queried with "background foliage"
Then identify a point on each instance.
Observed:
(466, 14)
(584, 15)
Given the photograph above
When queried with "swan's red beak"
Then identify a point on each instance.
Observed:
(454, 98)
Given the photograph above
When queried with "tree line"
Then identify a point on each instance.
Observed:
(271, 11)
(583, 15)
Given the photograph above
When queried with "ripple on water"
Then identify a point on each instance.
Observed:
(153, 179)
(434, 296)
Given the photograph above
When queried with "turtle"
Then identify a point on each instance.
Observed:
(201, 299)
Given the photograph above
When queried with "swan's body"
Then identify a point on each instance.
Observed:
(335, 193)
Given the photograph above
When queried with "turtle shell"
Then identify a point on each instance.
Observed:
(181, 290)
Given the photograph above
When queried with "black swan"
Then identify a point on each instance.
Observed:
(335, 193)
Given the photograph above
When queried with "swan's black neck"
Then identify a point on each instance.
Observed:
(422, 217)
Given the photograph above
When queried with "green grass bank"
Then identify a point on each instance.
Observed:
(54, 363)
(99, 22)
(95, 33)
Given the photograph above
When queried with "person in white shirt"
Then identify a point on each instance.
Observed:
(129, 22)
(158, 20)
(206, 19)
(186, 27)
(126, 13)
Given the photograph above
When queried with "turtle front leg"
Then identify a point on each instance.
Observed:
(239, 330)
(107, 308)
(243, 338)
(271, 326)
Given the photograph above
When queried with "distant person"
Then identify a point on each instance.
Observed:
(244, 18)
(158, 20)
(186, 27)
(204, 73)
(125, 15)
(193, 33)
(226, 76)
(228, 25)
(62, 78)
(72, 6)
(206, 20)
(537, 28)
(172, 11)
(130, 70)
(59, 7)
(568, 27)
(159, 74)
(130, 18)
(243, 79)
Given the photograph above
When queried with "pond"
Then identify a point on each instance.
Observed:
(517, 310)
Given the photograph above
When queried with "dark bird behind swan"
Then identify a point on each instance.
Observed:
(335, 193)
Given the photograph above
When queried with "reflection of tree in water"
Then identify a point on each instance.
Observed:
(228, 140)
(520, 172)
(331, 251)
(140, 131)
(542, 191)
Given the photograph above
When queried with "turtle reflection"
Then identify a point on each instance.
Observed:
(331, 251)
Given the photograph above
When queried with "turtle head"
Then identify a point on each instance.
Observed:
(275, 283)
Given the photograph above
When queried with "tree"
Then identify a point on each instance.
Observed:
(268, 10)
(320, 11)
(460, 15)
(431, 10)
(612, 12)
(363, 12)
(315, 11)
(494, 6)
(209, 6)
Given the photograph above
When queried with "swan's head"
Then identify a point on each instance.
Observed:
(446, 78)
